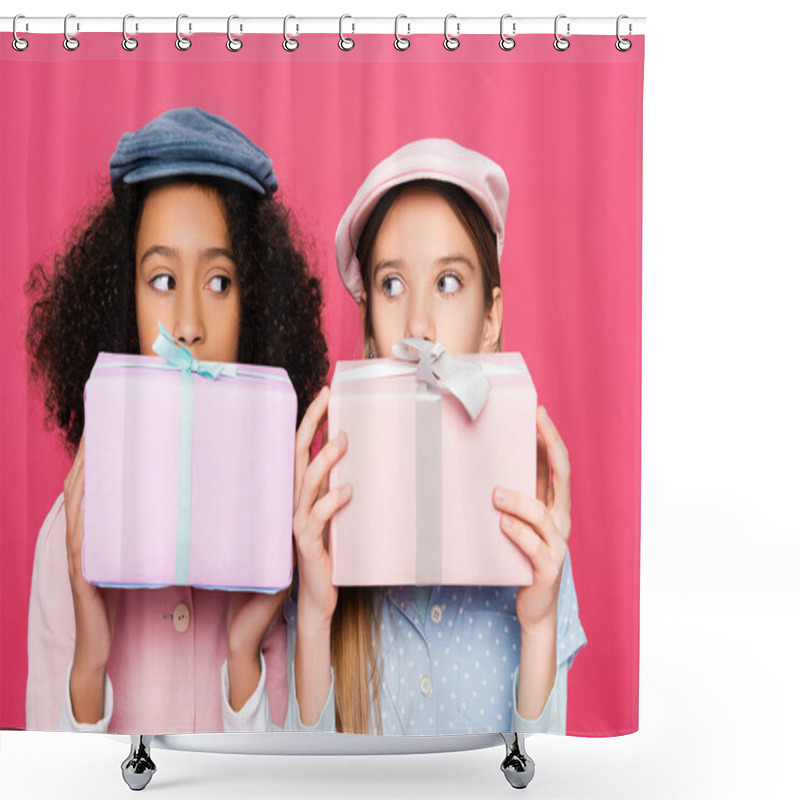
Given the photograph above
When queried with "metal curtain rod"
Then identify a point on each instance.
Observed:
(407, 25)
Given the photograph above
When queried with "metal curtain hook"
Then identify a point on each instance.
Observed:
(560, 43)
(233, 44)
(70, 42)
(128, 42)
(345, 42)
(400, 42)
(451, 42)
(506, 42)
(182, 43)
(18, 42)
(290, 44)
(623, 45)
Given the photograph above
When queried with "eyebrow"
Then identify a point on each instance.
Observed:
(171, 252)
(444, 261)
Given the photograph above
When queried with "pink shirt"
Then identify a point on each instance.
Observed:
(167, 665)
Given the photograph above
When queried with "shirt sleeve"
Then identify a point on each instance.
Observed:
(327, 717)
(570, 636)
(67, 720)
(254, 715)
(553, 718)
(51, 625)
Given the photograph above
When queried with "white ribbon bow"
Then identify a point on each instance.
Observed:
(465, 380)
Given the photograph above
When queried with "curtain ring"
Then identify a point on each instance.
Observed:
(70, 42)
(623, 45)
(506, 42)
(128, 42)
(233, 44)
(561, 43)
(182, 43)
(290, 44)
(345, 42)
(451, 42)
(400, 42)
(18, 43)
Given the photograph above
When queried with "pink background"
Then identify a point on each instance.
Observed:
(566, 127)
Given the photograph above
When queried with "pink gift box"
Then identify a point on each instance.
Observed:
(188, 479)
(423, 472)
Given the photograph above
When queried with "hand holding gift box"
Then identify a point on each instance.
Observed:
(188, 472)
(427, 443)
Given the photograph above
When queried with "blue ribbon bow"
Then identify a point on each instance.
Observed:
(177, 354)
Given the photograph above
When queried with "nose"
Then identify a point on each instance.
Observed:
(420, 322)
(188, 328)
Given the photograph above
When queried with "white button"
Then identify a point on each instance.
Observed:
(425, 685)
(436, 614)
(181, 617)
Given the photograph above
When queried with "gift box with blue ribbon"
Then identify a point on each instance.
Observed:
(188, 472)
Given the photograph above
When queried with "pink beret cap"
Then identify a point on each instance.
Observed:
(436, 159)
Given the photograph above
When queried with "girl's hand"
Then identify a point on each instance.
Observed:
(314, 505)
(94, 608)
(540, 526)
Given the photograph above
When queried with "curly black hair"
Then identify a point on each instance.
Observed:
(85, 302)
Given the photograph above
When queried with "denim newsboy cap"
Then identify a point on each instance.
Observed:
(191, 141)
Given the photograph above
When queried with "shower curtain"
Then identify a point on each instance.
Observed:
(566, 129)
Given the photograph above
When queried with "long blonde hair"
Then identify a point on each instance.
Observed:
(355, 648)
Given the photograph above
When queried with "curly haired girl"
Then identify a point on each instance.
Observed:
(191, 236)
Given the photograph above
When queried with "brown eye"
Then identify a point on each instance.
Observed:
(163, 283)
(220, 284)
